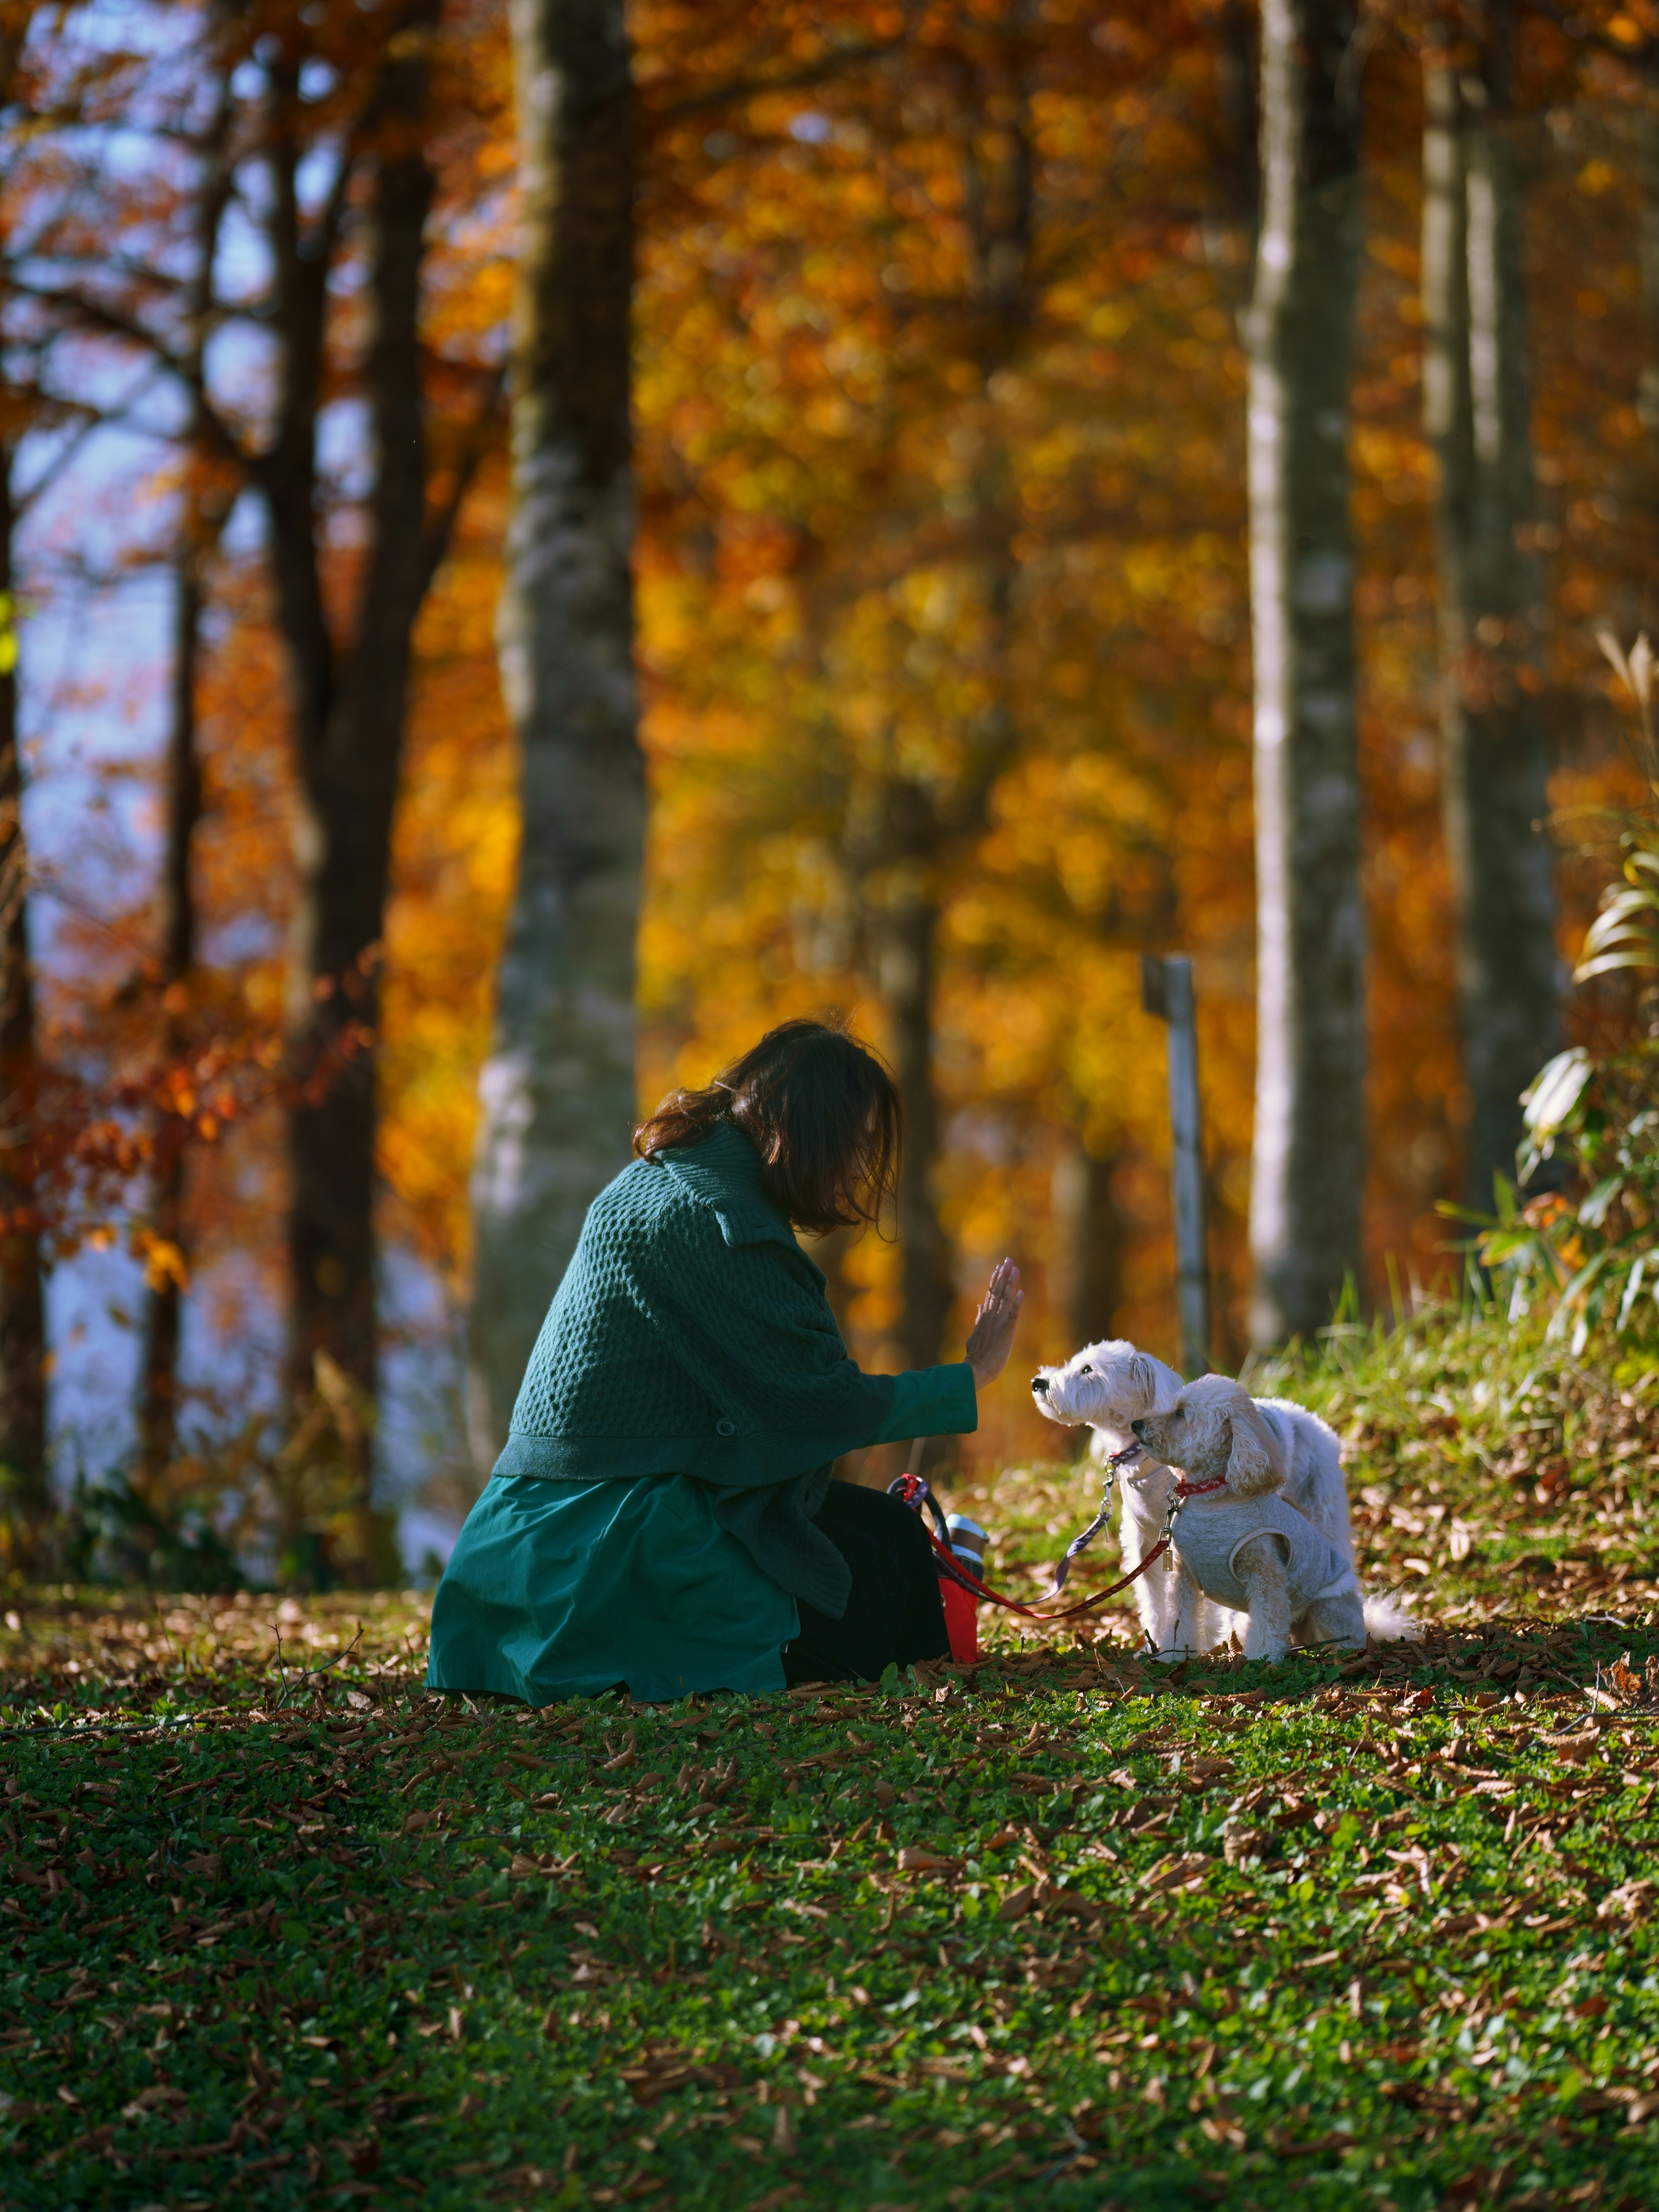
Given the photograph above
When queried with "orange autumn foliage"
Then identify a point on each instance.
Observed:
(825, 469)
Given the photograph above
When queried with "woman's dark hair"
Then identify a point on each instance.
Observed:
(819, 1108)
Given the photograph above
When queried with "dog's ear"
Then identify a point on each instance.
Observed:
(1144, 1372)
(1252, 1462)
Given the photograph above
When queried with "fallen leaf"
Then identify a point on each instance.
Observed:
(363, 2158)
(1632, 1901)
(1072, 1903)
(913, 1859)
(524, 1868)
(1286, 2145)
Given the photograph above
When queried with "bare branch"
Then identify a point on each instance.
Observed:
(741, 89)
(475, 445)
(97, 316)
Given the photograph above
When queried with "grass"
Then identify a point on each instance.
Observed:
(1065, 1929)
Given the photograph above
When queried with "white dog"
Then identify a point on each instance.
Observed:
(1105, 1386)
(1239, 1539)
(1108, 1388)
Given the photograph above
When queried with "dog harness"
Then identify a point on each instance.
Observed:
(1209, 1537)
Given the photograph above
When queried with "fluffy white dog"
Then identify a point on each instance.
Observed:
(1105, 1386)
(1111, 1386)
(1240, 1541)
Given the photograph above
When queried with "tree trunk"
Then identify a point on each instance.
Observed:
(1238, 163)
(1447, 408)
(1495, 766)
(907, 925)
(1309, 1147)
(348, 722)
(1647, 400)
(25, 1500)
(1088, 1244)
(206, 507)
(902, 832)
(158, 1410)
(556, 1097)
(25, 1497)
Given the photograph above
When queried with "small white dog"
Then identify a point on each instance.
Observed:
(1105, 1386)
(1239, 1541)
(1108, 1388)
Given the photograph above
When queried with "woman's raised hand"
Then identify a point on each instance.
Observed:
(991, 1337)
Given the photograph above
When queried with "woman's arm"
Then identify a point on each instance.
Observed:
(931, 1402)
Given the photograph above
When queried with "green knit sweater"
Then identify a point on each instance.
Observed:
(691, 1335)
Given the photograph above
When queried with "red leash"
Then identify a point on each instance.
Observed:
(915, 1492)
(1013, 1605)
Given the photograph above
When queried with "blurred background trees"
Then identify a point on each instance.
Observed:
(916, 412)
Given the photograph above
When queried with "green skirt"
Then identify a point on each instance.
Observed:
(564, 1590)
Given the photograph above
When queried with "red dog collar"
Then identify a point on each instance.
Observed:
(1184, 1490)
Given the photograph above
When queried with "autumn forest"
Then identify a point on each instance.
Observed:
(536, 543)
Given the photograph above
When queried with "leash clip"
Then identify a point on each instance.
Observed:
(1179, 1494)
(1081, 1543)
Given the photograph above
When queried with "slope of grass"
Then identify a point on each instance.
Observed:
(1065, 1927)
(1489, 1473)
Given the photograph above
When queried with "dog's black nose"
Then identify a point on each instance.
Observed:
(1040, 1384)
(1138, 1429)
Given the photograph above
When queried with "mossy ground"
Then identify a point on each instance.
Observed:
(1068, 1930)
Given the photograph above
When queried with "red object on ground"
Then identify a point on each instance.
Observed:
(961, 1621)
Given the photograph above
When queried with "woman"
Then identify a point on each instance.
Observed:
(663, 1515)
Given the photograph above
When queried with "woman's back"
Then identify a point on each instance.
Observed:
(691, 1334)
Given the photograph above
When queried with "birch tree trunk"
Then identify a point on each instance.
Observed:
(1494, 752)
(1447, 408)
(1309, 1159)
(1507, 945)
(556, 1097)
(24, 1498)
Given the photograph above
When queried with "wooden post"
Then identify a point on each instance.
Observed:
(1166, 990)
